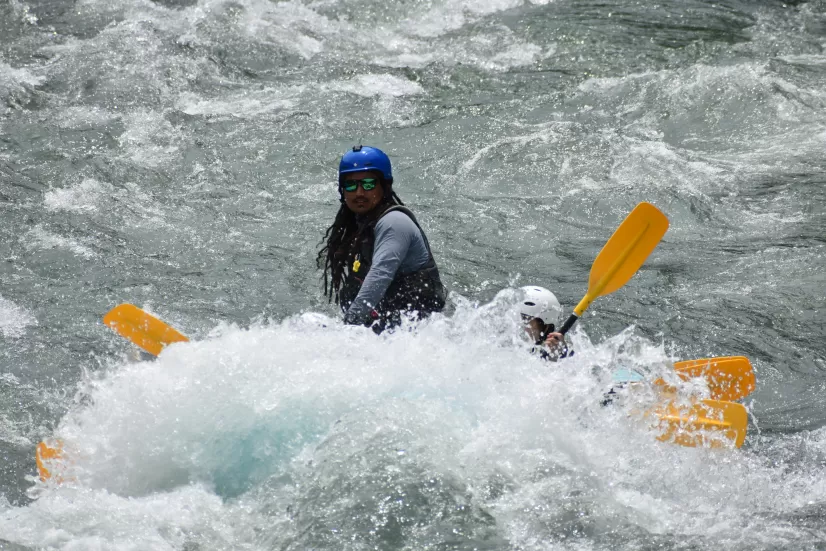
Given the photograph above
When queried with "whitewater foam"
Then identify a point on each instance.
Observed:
(14, 319)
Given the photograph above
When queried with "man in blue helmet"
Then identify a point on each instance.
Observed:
(376, 259)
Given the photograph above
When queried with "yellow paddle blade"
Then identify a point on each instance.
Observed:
(145, 330)
(709, 423)
(625, 252)
(45, 456)
(729, 378)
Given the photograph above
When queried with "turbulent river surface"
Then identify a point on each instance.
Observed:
(181, 155)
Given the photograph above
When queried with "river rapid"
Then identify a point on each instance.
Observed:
(181, 155)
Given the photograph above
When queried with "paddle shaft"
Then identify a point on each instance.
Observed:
(583, 304)
(568, 323)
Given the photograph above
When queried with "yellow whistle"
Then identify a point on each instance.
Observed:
(356, 265)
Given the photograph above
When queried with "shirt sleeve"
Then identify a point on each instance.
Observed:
(394, 234)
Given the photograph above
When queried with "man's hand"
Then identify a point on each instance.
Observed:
(554, 340)
(350, 319)
(556, 347)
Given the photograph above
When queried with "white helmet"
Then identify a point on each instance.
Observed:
(538, 302)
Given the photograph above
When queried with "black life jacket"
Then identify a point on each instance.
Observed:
(420, 291)
(551, 355)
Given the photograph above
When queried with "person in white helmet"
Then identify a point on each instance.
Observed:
(541, 312)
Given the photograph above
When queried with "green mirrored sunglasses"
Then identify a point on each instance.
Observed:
(367, 184)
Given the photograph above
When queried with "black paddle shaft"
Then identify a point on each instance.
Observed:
(568, 323)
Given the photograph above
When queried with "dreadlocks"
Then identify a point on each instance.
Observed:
(342, 239)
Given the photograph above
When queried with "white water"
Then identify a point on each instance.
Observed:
(14, 319)
(219, 442)
(181, 155)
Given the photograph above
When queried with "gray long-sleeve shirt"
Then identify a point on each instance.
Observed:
(399, 248)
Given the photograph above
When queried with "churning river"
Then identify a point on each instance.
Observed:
(181, 155)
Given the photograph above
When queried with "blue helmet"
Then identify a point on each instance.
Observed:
(363, 158)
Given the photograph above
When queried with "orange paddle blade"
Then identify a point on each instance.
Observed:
(709, 423)
(45, 456)
(145, 330)
(729, 378)
(624, 252)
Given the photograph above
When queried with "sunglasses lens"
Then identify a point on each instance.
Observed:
(351, 186)
(368, 183)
